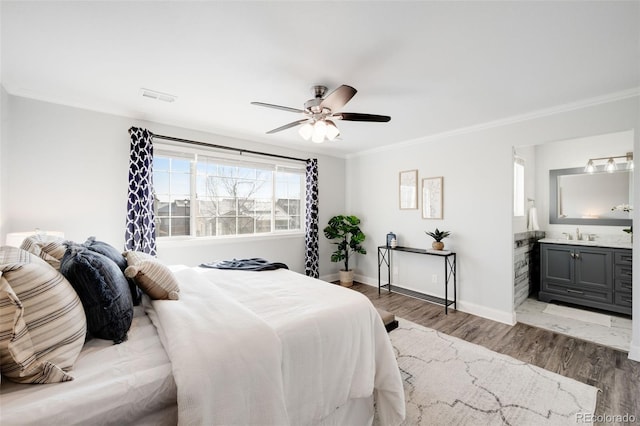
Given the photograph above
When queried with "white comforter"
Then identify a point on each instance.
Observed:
(274, 347)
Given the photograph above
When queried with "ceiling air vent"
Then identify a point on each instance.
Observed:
(153, 94)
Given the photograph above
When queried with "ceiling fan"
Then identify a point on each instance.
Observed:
(318, 124)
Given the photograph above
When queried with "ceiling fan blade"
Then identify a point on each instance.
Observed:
(284, 108)
(355, 116)
(287, 126)
(338, 98)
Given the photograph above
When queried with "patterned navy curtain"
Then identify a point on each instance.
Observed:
(140, 234)
(311, 220)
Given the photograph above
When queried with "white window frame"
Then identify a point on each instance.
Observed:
(275, 163)
(518, 186)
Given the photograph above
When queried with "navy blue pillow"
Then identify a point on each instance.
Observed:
(114, 254)
(103, 290)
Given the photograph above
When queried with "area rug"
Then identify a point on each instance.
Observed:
(578, 314)
(449, 381)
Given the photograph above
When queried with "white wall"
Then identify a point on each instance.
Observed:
(4, 121)
(66, 169)
(477, 170)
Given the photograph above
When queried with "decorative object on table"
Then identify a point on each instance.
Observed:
(628, 209)
(438, 236)
(390, 237)
(346, 233)
(408, 190)
(432, 198)
(394, 243)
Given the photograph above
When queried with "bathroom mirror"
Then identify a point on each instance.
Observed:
(579, 198)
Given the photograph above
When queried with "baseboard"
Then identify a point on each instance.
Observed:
(634, 352)
(508, 318)
(366, 280)
(330, 277)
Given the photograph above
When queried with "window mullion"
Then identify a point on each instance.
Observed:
(194, 208)
(274, 178)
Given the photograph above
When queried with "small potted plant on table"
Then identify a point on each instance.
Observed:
(346, 233)
(438, 236)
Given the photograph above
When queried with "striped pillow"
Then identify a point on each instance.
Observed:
(42, 322)
(151, 276)
(47, 247)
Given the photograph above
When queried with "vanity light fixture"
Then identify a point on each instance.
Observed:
(590, 167)
(610, 165)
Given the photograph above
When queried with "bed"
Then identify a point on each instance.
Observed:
(238, 347)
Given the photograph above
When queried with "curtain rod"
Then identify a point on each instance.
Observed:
(211, 145)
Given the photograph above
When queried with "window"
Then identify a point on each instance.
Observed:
(203, 195)
(518, 186)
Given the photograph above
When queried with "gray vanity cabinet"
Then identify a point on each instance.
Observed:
(622, 278)
(598, 277)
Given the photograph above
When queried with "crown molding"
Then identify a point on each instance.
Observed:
(572, 106)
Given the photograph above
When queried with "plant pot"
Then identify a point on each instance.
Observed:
(346, 278)
(437, 245)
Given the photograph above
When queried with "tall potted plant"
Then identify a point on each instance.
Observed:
(346, 234)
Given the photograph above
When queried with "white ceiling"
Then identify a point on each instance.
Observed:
(432, 66)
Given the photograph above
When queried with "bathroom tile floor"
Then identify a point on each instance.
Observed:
(588, 326)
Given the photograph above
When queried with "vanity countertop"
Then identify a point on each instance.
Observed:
(612, 244)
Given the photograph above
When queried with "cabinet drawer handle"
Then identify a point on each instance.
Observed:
(574, 291)
(626, 300)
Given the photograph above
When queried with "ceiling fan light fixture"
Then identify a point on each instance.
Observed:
(332, 130)
(319, 131)
(306, 131)
(316, 125)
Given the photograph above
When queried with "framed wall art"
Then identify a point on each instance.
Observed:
(432, 192)
(408, 190)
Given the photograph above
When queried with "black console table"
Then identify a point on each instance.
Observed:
(384, 257)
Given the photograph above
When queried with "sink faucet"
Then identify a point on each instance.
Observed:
(578, 234)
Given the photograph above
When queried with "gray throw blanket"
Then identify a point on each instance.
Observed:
(253, 264)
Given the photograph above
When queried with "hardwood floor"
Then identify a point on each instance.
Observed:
(607, 369)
